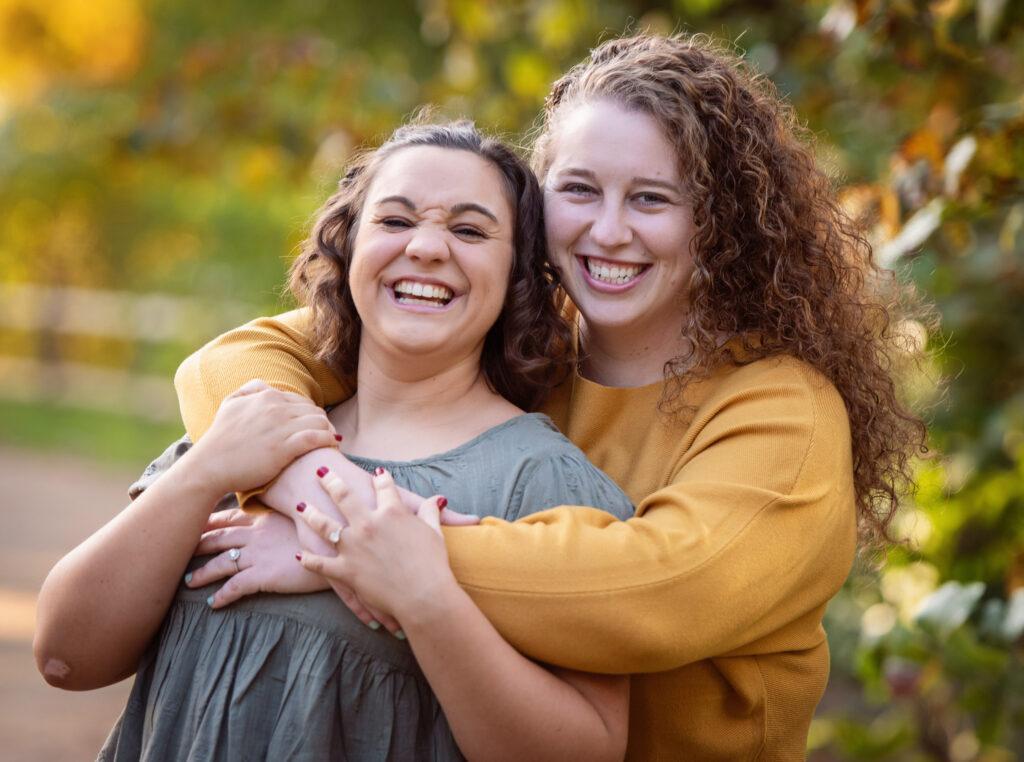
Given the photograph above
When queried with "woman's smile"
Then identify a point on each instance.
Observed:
(611, 277)
(421, 295)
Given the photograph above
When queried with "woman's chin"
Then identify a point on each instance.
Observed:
(603, 317)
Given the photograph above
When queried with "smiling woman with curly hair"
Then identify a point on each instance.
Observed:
(737, 358)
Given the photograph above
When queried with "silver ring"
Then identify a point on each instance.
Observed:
(234, 554)
(335, 536)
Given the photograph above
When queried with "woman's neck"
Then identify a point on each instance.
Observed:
(624, 358)
(407, 408)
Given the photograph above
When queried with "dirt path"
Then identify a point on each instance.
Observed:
(50, 502)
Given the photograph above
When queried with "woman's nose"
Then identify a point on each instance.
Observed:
(610, 229)
(428, 245)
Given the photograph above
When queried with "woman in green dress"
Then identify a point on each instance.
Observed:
(432, 250)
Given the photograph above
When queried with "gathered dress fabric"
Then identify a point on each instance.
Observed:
(299, 677)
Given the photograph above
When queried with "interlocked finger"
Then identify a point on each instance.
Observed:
(387, 493)
(228, 518)
(255, 386)
(310, 420)
(322, 524)
(351, 508)
(239, 586)
(217, 540)
(219, 567)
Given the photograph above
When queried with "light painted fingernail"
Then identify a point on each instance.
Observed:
(400, 635)
(188, 578)
(209, 601)
(374, 625)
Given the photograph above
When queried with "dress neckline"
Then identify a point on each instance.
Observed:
(365, 462)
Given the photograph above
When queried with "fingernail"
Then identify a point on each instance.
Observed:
(300, 507)
(298, 556)
(400, 635)
(378, 471)
(321, 471)
(188, 578)
(337, 437)
(209, 601)
(374, 625)
(441, 503)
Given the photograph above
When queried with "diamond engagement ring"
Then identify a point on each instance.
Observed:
(335, 536)
(234, 555)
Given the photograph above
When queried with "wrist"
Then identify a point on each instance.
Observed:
(197, 474)
(433, 608)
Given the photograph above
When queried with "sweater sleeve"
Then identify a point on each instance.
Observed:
(737, 555)
(276, 349)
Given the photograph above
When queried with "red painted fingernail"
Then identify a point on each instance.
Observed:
(378, 470)
(300, 507)
(337, 437)
(298, 556)
(441, 503)
(322, 471)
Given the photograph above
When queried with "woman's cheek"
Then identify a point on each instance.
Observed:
(564, 223)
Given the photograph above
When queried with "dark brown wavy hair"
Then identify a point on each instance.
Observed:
(777, 262)
(527, 352)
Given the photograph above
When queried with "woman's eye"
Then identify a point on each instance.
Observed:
(651, 199)
(469, 232)
(395, 223)
(579, 189)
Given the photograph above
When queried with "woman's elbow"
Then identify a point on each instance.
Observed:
(60, 661)
(67, 673)
(53, 665)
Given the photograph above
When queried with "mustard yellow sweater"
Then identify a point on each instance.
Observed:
(712, 596)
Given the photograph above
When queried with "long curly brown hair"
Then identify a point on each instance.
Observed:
(526, 353)
(777, 262)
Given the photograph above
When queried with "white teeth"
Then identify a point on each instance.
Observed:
(414, 292)
(416, 300)
(616, 274)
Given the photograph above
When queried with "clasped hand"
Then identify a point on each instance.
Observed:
(396, 560)
(390, 561)
(258, 432)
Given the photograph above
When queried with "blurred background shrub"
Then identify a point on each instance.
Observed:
(159, 163)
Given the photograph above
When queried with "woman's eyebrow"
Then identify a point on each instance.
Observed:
(404, 201)
(657, 183)
(469, 206)
(586, 173)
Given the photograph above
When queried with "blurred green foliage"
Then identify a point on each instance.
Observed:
(182, 146)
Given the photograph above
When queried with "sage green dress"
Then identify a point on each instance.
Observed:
(298, 677)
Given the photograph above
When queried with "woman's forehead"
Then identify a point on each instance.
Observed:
(605, 137)
(432, 176)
